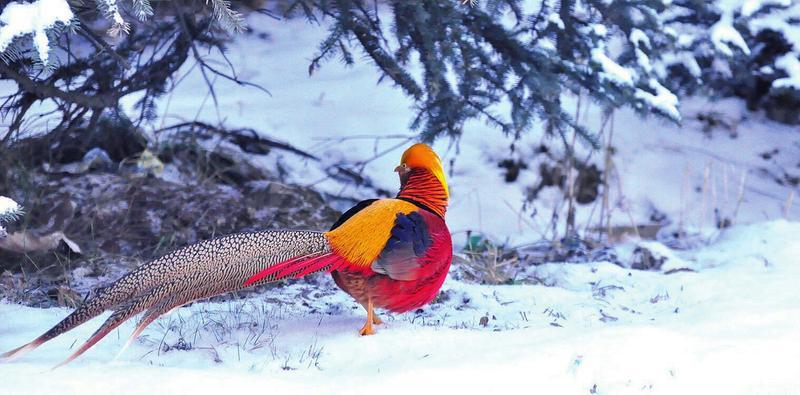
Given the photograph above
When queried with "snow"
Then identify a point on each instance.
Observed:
(9, 210)
(640, 41)
(611, 70)
(726, 320)
(555, 19)
(749, 7)
(685, 58)
(8, 207)
(663, 100)
(731, 327)
(20, 19)
(112, 12)
(777, 15)
(341, 114)
(723, 33)
(638, 37)
(599, 29)
(791, 65)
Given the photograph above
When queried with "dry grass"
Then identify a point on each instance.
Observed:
(489, 265)
(227, 331)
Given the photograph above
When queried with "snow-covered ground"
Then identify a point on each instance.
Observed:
(731, 327)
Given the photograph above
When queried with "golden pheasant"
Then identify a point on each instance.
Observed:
(386, 253)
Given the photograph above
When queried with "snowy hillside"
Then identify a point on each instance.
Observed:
(731, 327)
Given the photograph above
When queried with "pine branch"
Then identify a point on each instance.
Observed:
(46, 91)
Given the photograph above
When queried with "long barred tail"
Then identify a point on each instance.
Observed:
(195, 272)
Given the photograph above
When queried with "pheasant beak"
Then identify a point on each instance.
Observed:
(402, 171)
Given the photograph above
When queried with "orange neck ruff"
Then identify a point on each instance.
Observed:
(424, 188)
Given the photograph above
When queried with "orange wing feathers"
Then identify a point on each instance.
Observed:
(361, 239)
(355, 244)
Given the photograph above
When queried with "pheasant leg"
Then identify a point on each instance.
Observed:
(372, 318)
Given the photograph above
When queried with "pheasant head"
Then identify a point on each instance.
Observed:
(422, 179)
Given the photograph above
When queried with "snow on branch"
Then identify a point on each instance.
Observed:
(611, 70)
(791, 65)
(21, 19)
(9, 211)
(663, 101)
(750, 7)
(723, 33)
(111, 11)
(39, 17)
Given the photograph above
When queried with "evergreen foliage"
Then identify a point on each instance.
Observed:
(747, 48)
(503, 60)
(510, 63)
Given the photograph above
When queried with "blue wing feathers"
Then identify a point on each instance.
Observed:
(409, 229)
(408, 242)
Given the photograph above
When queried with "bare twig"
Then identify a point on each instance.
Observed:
(188, 35)
(788, 205)
(571, 176)
(625, 206)
(104, 100)
(605, 209)
(242, 133)
(739, 195)
(704, 206)
(101, 44)
(684, 199)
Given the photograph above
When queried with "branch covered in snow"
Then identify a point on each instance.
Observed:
(41, 18)
(9, 211)
(22, 19)
(790, 64)
(748, 39)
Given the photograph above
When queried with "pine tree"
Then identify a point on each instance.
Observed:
(511, 63)
(504, 61)
(747, 48)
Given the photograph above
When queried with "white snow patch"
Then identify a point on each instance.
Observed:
(9, 210)
(639, 38)
(20, 19)
(791, 65)
(723, 33)
(599, 29)
(685, 58)
(731, 327)
(611, 70)
(8, 207)
(663, 100)
(111, 9)
(555, 19)
(749, 7)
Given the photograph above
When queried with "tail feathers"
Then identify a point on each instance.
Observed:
(298, 267)
(22, 350)
(120, 315)
(191, 273)
(88, 310)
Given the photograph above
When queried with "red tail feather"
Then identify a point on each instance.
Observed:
(328, 263)
(298, 267)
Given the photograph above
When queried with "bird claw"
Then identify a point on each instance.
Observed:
(367, 329)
